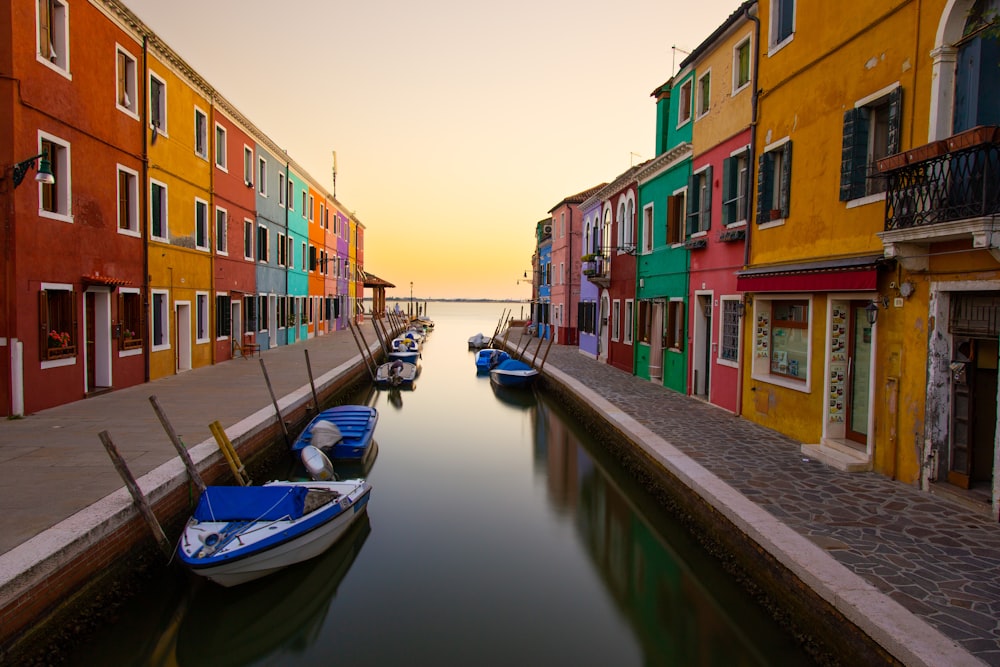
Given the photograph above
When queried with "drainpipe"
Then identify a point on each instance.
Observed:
(213, 238)
(289, 192)
(751, 166)
(144, 200)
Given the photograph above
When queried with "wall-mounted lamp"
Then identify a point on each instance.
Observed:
(871, 310)
(44, 174)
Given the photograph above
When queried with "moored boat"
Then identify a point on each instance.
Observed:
(396, 373)
(343, 433)
(241, 533)
(404, 349)
(513, 373)
(488, 358)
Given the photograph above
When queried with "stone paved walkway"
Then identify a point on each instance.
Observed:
(936, 558)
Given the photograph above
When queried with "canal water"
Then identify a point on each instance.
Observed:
(498, 533)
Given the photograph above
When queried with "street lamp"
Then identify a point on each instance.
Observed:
(44, 174)
(411, 299)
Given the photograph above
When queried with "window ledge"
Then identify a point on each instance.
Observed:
(780, 45)
(864, 201)
(779, 381)
(771, 223)
(61, 217)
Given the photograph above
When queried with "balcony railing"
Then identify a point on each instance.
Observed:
(597, 269)
(961, 182)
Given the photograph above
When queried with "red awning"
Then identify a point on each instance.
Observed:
(858, 274)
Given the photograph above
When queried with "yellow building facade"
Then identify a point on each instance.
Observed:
(182, 138)
(815, 260)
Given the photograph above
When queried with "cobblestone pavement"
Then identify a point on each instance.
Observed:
(936, 558)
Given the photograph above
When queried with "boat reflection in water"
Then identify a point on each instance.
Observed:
(276, 616)
(517, 398)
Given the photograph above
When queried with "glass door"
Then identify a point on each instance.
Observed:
(859, 373)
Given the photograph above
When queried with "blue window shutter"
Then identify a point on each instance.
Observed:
(785, 188)
(765, 184)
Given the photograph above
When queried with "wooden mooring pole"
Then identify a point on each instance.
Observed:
(137, 497)
(274, 401)
(178, 445)
(312, 383)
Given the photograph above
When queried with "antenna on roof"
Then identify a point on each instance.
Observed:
(673, 56)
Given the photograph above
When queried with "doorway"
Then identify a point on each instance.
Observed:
(182, 314)
(602, 352)
(235, 322)
(974, 413)
(702, 353)
(656, 344)
(97, 315)
(858, 386)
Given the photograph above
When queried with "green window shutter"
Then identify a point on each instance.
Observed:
(765, 184)
(854, 154)
(895, 120)
(693, 204)
(743, 203)
(785, 189)
(706, 206)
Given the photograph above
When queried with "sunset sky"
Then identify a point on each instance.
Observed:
(457, 124)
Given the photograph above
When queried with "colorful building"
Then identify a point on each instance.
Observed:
(717, 207)
(662, 261)
(567, 239)
(590, 266)
(72, 321)
(938, 308)
(184, 145)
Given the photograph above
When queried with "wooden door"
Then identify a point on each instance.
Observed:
(90, 312)
(962, 413)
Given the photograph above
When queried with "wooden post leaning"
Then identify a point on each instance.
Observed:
(281, 420)
(312, 383)
(229, 452)
(178, 445)
(137, 497)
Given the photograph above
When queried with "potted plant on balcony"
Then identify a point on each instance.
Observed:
(974, 136)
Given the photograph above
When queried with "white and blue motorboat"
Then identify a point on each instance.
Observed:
(395, 373)
(343, 433)
(404, 349)
(488, 358)
(513, 373)
(241, 533)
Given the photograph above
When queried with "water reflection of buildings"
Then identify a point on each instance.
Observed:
(683, 608)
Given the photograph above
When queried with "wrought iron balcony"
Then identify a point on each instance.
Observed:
(597, 270)
(945, 181)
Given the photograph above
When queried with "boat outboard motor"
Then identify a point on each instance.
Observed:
(325, 435)
(317, 464)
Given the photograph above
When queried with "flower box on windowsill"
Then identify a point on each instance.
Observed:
(975, 136)
(131, 343)
(891, 162)
(926, 152)
(60, 352)
(731, 235)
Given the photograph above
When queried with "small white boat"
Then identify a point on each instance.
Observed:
(396, 373)
(479, 341)
(241, 533)
(404, 349)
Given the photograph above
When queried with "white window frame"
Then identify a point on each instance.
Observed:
(201, 133)
(682, 118)
(761, 366)
(312, 206)
(133, 213)
(719, 359)
(776, 187)
(249, 239)
(267, 243)
(136, 291)
(163, 106)
(616, 314)
(221, 137)
(290, 199)
(290, 251)
(704, 79)
(282, 258)
(748, 41)
(200, 205)
(261, 176)
(305, 256)
(222, 239)
(281, 189)
(130, 80)
(629, 316)
(743, 151)
(647, 228)
(164, 314)
(202, 313)
(165, 211)
(58, 38)
(247, 166)
(774, 44)
(62, 167)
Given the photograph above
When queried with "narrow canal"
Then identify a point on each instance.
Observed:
(498, 533)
